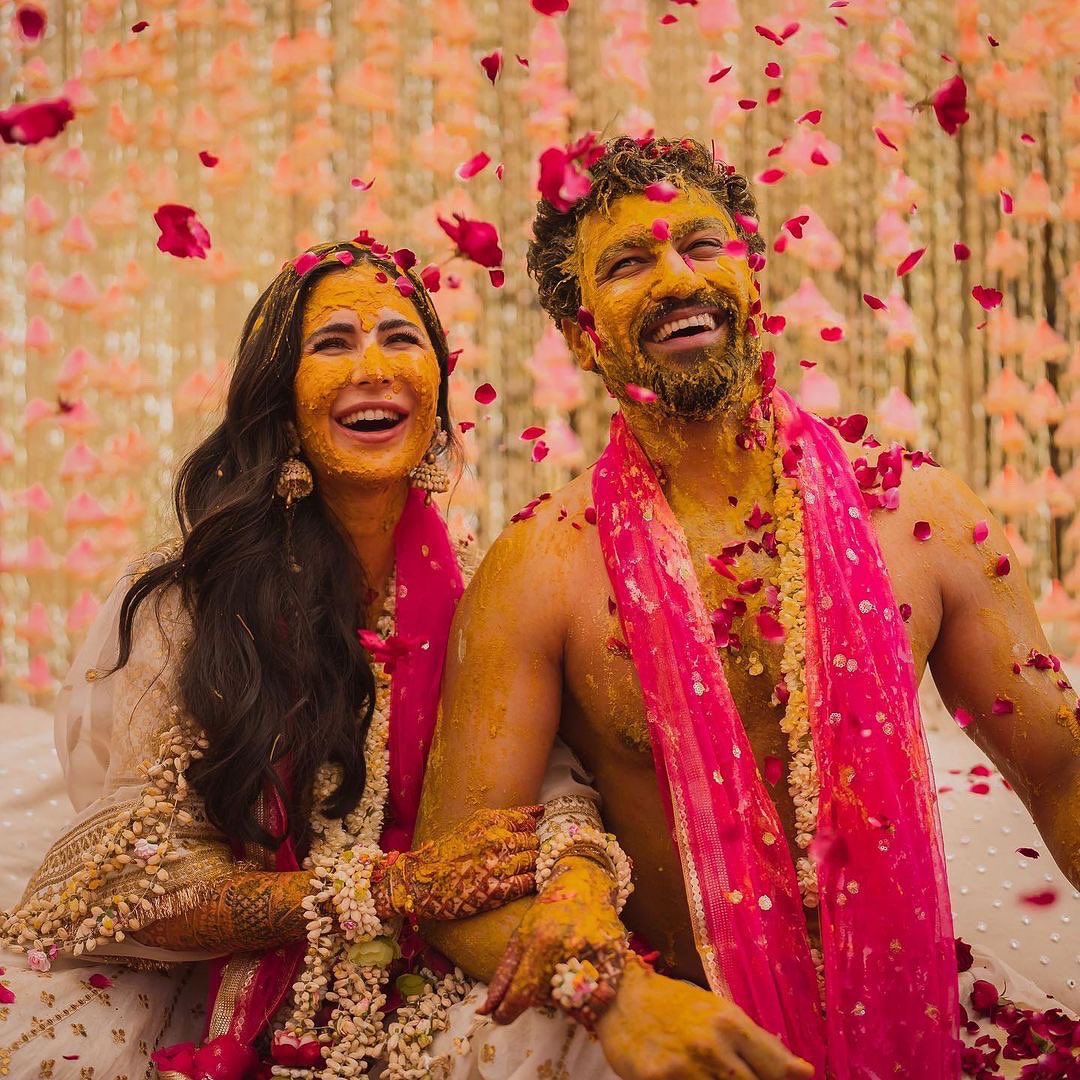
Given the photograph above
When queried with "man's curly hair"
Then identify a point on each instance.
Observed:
(627, 167)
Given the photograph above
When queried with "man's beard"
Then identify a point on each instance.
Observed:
(702, 383)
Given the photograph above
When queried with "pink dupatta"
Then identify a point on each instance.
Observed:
(890, 1004)
(247, 989)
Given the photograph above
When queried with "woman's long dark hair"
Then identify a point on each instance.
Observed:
(273, 668)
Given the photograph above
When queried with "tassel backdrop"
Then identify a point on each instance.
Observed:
(286, 122)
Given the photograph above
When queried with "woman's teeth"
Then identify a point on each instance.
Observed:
(370, 419)
(694, 323)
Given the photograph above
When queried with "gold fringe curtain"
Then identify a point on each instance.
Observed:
(107, 378)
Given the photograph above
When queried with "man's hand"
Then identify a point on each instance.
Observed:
(573, 916)
(664, 1029)
(484, 863)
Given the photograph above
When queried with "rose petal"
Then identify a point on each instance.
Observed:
(668, 19)
(768, 627)
(491, 64)
(1002, 566)
(905, 612)
(811, 117)
(99, 981)
(139, 27)
(818, 157)
(922, 530)
(531, 433)
(485, 394)
(30, 22)
(832, 333)
(475, 240)
(182, 233)
(771, 176)
(987, 297)
(1006, 202)
(550, 7)
(404, 286)
(540, 451)
(774, 769)
(873, 302)
(1002, 706)
(661, 230)
(465, 425)
(431, 277)
(773, 324)
(746, 223)
(404, 259)
(961, 252)
(979, 532)
(963, 717)
(736, 249)
(909, 262)
(746, 104)
(949, 102)
(769, 35)
(661, 191)
(362, 185)
(979, 789)
(773, 70)
(1027, 852)
(31, 122)
(1043, 898)
(884, 139)
(964, 958)
(716, 76)
(640, 393)
(208, 159)
(497, 278)
(468, 169)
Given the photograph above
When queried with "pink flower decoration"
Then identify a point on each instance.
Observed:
(949, 100)
(182, 234)
(475, 240)
(34, 121)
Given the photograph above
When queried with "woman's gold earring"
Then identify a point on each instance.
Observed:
(294, 482)
(429, 475)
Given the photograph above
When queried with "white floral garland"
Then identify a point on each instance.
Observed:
(803, 782)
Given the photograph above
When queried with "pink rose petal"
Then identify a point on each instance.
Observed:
(811, 117)
(540, 451)
(404, 286)
(768, 627)
(922, 530)
(832, 333)
(661, 230)
(736, 249)
(716, 76)
(468, 169)
(362, 185)
(963, 717)
(1002, 706)
(431, 277)
(979, 532)
(1006, 202)
(771, 176)
(344, 257)
(640, 393)
(661, 191)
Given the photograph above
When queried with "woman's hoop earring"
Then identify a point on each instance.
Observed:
(429, 474)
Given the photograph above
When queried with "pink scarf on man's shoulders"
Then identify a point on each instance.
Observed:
(890, 1003)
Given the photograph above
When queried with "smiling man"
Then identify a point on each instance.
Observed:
(728, 626)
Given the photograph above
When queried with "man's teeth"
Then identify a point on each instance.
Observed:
(369, 414)
(704, 321)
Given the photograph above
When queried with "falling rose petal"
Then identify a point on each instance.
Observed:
(773, 324)
(140, 26)
(716, 76)
(491, 64)
(431, 277)
(746, 223)
(909, 262)
(722, 565)
(522, 60)
(774, 769)
(404, 258)
(31, 122)
(344, 257)
(884, 139)
(964, 957)
(1027, 852)
(454, 356)
(808, 363)
(789, 30)
(979, 532)
(540, 451)
(497, 278)
(1006, 202)
(771, 176)
(994, 43)
(795, 225)
(987, 297)
(485, 394)
(7, 996)
(780, 244)
(961, 252)
(874, 302)
(531, 433)
(99, 981)
(979, 789)
(736, 249)
(661, 191)
(811, 117)
(773, 70)
(668, 19)
(468, 169)
(852, 428)
(404, 286)
(587, 323)
(963, 717)
(640, 393)
(182, 233)
(922, 530)
(1026, 138)
(208, 159)
(832, 333)
(499, 169)
(381, 278)
(465, 426)
(30, 22)
(769, 35)
(661, 230)
(818, 158)
(1002, 566)
(1043, 898)
(618, 648)
(362, 185)
(550, 7)
(746, 104)
(949, 102)
(768, 627)
(1002, 706)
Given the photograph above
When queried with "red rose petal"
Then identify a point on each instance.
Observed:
(961, 252)
(979, 789)
(1002, 706)
(771, 176)
(139, 27)
(468, 169)
(949, 101)
(640, 393)
(465, 425)
(1027, 852)
(963, 717)
(491, 64)
(550, 7)
(922, 530)
(811, 117)
(531, 433)
(661, 230)
(362, 185)
(208, 159)
(884, 139)
(987, 297)
(773, 70)
(1006, 202)
(661, 191)
(773, 324)
(344, 257)
(30, 22)
(1044, 898)
(768, 627)
(475, 240)
(540, 451)
(769, 35)
(832, 333)
(590, 515)
(31, 122)
(774, 769)
(497, 278)
(667, 20)
(716, 76)
(404, 259)
(979, 532)
(431, 277)
(745, 222)
(99, 981)
(795, 225)
(818, 158)
(1026, 138)
(905, 612)
(736, 249)
(182, 233)
(485, 394)
(1002, 566)
(874, 302)
(909, 262)
(7, 996)
(404, 286)
(746, 104)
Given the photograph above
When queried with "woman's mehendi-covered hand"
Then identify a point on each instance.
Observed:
(485, 862)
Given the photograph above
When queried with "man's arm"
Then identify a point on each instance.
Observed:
(500, 713)
(990, 659)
